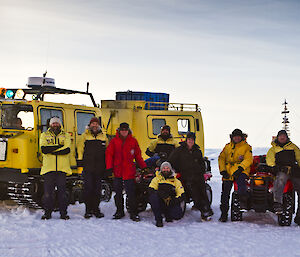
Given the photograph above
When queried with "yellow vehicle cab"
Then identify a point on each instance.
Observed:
(24, 116)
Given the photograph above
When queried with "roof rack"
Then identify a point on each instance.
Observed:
(146, 105)
(40, 92)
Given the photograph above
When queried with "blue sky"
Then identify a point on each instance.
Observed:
(237, 59)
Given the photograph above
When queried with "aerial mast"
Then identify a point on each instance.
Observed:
(285, 121)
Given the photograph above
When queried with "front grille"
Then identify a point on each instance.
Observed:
(3, 149)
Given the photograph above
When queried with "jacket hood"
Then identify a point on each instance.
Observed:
(276, 143)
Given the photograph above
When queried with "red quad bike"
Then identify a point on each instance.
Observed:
(260, 190)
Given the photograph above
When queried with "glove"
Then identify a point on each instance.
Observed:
(79, 170)
(238, 172)
(108, 173)
(79, 163)
(146, 171)
(165, 191)
(224, 174)
(286, 169)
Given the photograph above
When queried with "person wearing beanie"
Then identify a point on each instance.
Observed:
(234, 164)
(165, 195)
(284, 158)
(55, 146)
(188, 160)
(91, 148)
(163, 145)
(121, 152)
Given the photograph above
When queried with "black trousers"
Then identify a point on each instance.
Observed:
(51, 180)
(92, 190)
(226, 189)
(198, 193)
(129, 186)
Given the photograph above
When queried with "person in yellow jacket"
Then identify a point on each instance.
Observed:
(91, 156)
(284, 157)
(234, 164)
(164, 145)
(165, 195)
(55, 145)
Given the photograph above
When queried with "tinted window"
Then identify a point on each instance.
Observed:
(17, 116)
(157, 124)
(83, 120)
(47, 114)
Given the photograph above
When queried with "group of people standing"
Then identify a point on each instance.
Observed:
(99, 159)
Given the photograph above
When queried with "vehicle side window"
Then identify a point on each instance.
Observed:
(83, 120)
(47, 114)
(157, 124)
(183, 126)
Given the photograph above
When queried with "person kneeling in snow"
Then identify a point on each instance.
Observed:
(165, 195)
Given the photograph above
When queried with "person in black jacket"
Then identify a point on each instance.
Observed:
(91, 156)
(188, 161)
(164, 145)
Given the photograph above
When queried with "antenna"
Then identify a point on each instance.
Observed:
(87, 86)
(44, 76)
(285, 118)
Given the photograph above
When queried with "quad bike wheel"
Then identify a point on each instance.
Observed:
(285, 219)
(236, 214)
(106, 191)
(209, 193)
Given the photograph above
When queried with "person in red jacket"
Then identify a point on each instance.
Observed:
(120, 154)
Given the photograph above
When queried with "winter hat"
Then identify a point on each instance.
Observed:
(166, 164)
(166, 127)
(167, 174)
(94, 119)
(237, 132)
(191, 135)
(282, 132)
(53, 120)
(124, 126)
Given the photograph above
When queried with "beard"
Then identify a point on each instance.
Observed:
(165, 136)
(56, 130)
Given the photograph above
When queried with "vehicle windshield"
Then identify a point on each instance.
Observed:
(17, 116)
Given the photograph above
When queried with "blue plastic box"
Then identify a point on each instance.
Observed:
(151, 98)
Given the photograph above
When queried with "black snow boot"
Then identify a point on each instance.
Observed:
(278, 208)
(47, 215)
(223, 217)
(118, 215)
(98, 214)
(135, 217)
(88, 215)
(159, 223)
(207, 213)
(168, 219)
(64, 216)
(297, 220)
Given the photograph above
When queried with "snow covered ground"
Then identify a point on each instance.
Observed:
(22, 233)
